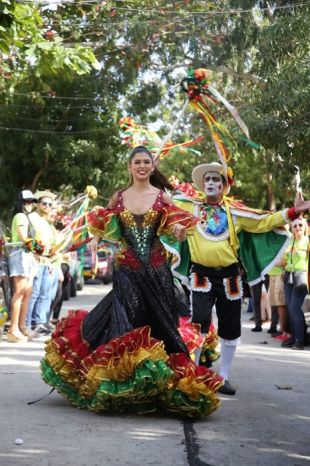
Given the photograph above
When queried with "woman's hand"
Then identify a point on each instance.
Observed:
(179, 232)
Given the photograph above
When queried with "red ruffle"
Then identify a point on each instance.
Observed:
(67, 338)
(190, 333)
(211, 336)
(130, 343)
(71, 347)
(184, 367)
(172, 215)
(99, 217)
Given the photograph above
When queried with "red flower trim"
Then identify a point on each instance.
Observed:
(292, 214)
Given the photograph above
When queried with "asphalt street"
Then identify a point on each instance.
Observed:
(267, 422)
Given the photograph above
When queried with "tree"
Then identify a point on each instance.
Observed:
(259, 55)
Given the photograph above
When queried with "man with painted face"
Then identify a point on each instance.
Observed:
(228, 232)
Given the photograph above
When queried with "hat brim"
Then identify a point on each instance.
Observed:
(199, 172)
(39, 194)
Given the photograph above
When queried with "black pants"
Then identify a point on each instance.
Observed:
(274, 317)
(57, 303)
(221, 287)
(256, 292)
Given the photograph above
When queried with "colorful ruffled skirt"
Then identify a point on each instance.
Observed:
(131, 373)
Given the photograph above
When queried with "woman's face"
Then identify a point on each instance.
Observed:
(299, 228)
(141, 166)
(28, 206)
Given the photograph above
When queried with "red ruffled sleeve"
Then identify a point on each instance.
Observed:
(104, 223)
(172, 215)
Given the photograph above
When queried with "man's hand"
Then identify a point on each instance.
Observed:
(301, 205)
(179, 232)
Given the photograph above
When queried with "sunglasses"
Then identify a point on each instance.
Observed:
(46, 204)
(298, 225)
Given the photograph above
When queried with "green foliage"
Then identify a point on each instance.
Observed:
(68, 75)
(29, 47)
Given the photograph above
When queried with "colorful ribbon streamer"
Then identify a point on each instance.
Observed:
(137, 135)
(203, 97)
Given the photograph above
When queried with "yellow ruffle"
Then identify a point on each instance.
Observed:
(121, 369)
(117, 368)
(62, 367)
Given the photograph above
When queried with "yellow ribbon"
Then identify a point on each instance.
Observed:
(231, 228)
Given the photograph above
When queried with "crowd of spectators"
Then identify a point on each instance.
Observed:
(34, 266)
(279, 299)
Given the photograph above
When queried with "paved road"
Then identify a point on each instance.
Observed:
(261, 426)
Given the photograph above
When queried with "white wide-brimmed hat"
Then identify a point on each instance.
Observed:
(39, 194)
(198, 174)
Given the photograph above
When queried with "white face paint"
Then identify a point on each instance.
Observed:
(214, 186)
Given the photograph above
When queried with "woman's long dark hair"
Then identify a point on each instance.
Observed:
(157, 179)
(19, 207)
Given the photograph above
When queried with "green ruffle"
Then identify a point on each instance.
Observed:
(112, 230)
(138, 393)
(177, 402)
(180, 266)
(145, 392)
(64, 388)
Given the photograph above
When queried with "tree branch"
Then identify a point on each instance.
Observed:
(41, 171)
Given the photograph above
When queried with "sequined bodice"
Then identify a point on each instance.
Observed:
(139, 232)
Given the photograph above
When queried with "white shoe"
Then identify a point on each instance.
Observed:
(16, 339)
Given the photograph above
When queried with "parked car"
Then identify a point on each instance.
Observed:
(90, 261)
(104, 266)
(99, 264)
(72, 269)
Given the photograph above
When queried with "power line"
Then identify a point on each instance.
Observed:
(40, 106)
(28, 130)
(43, 119)
(95, 108)
(163, 10)
(93, 104)
(35, 94)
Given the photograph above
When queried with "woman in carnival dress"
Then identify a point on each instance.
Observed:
(127, 353)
